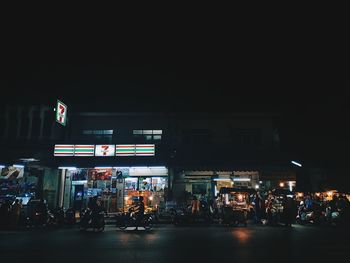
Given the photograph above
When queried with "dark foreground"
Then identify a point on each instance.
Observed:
(167, 243)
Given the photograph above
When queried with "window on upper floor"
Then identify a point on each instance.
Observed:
(148, 135)
(98, 132)
(103, 136)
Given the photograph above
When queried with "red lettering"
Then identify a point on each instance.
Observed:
(105, 149)
(61, 111)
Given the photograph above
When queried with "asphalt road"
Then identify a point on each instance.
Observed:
(167, 243)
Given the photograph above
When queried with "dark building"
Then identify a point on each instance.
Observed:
(163, 156)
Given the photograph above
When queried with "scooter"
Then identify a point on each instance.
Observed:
(129, 219)
(94, 220)
(56, 217)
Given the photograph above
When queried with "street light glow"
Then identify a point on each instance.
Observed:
(296, 163)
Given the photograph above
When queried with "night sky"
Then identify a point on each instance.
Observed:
(312, 100)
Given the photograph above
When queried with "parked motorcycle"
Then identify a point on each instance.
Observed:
(70, 216)
(316, 217)
(185, 216)
(130, 219)
(92, 219)
(56, 217)
(37, 214)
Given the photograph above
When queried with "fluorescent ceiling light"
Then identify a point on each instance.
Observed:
(241, 179)
(222, 179)
(67, 167)
(29, 159)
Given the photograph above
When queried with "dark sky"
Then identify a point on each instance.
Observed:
(311, 96)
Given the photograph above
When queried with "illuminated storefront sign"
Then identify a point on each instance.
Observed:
(61, 113)
(125, 150)
(144, 149)
(105, 150)
(84, 150)
(64, 150)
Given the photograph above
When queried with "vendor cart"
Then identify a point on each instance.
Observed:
(236, 205)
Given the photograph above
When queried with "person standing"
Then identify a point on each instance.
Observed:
(195, 207)
(140, 210)
(5, 214)
(288, 210)
(257, 208)
(15, 213)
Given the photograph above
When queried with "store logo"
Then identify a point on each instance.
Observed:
(104, 150)
(61, 113)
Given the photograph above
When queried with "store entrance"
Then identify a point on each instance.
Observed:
(78, 193)
(116, 194)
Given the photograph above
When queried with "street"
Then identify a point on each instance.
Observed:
(168, 243)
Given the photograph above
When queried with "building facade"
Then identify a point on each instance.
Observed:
(119, 156)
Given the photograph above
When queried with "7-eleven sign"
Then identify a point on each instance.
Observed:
(61, 113)
(104, 150)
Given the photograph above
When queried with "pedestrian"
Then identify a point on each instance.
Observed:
(257, 208)
(5, 214)
(15, 213)
(288, 210)
(194, 207)
(270, 211)
(308, 203)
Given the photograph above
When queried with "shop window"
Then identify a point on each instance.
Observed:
(131, 184)
(153, 189)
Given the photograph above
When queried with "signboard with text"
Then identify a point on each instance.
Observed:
(61, 113)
